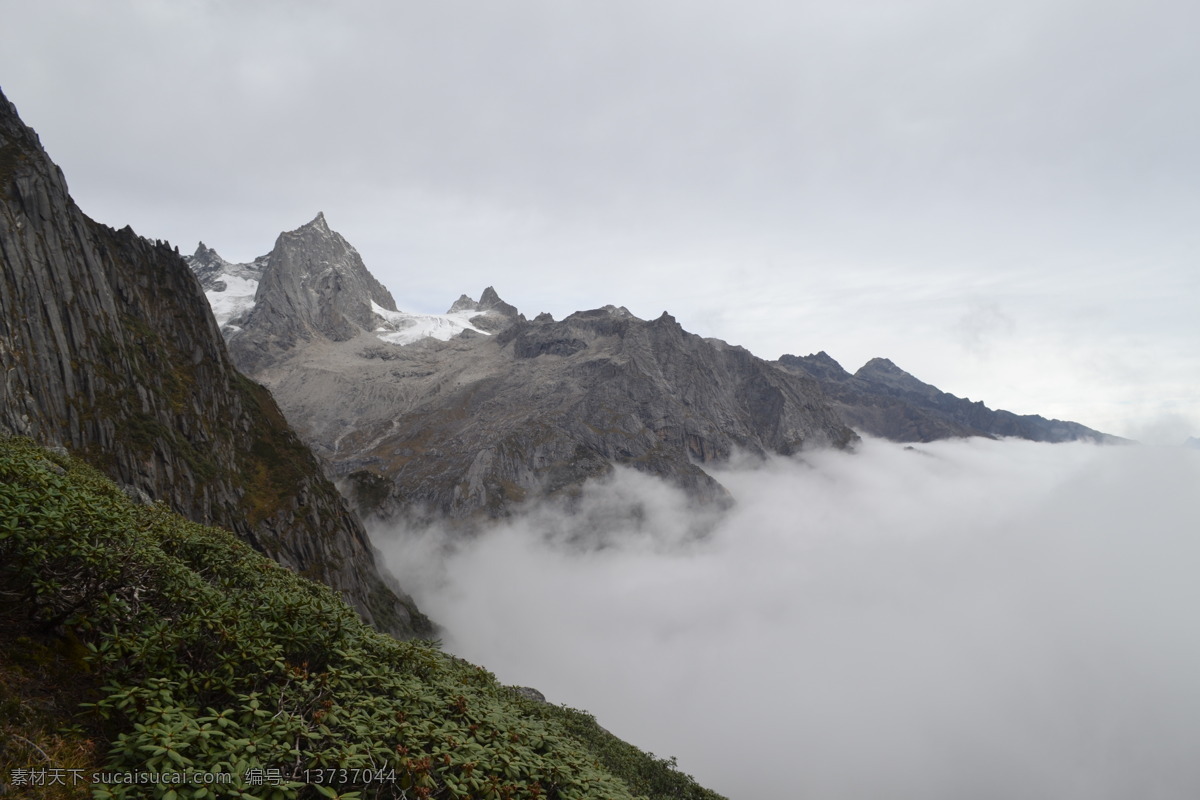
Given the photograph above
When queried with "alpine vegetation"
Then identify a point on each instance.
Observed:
(197, 655)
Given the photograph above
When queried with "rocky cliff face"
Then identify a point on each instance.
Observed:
(546, 405)
(107, 347)
(883, 400)
(314, 285)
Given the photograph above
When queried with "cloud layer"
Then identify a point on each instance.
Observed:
(967, 619)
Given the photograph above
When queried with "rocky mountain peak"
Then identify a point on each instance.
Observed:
(206, 253)
(605, 313)
(207, 264)
(883, 400)
(314, 285)
(495, 314)
(490, 301)
(820, 365)
(319, 224)
(883, 371)
(880, 366)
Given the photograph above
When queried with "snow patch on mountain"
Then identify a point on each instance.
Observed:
(314, 281)
(403, 327)
(233, 301)
(229, 288)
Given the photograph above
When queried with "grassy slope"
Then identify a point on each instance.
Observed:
(136, 640)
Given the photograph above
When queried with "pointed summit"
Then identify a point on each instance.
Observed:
(490, 301)
(318, 223)
(882, 372)
(205, 255)
(207, 264)
(463, 303)
(314, 285)
(819, 365)
(494, 313)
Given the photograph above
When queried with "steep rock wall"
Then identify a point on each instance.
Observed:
(107, 347)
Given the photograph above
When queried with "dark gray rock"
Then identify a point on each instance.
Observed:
(883, 400)
(207, 264)
(108, 348)
(495, 314)
(490, 301)
(210, 268)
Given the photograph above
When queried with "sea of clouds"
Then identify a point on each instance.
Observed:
(965, 619)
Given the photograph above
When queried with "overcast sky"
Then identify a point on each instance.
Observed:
(1003, 198)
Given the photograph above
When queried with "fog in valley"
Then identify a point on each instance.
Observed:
(960, 619)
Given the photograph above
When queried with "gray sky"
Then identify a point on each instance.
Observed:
(1000, 197)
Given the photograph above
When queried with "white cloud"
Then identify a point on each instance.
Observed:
(969, 619)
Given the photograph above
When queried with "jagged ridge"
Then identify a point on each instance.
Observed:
(883, 400)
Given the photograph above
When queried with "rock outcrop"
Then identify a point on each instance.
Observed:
(107, 347)
(883, 400)
(494, 314)
(314, 285)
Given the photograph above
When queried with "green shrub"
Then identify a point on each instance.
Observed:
(210, 657)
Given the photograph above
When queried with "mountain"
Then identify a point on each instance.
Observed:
(229, 288)
(883, 400)
(108, 349)
(507, 409)
(314, 285)
(545, 405)
(470, 413)
(135, 641)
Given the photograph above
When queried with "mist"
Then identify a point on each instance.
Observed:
(960, 619)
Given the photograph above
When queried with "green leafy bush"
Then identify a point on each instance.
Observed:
(209, 657)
